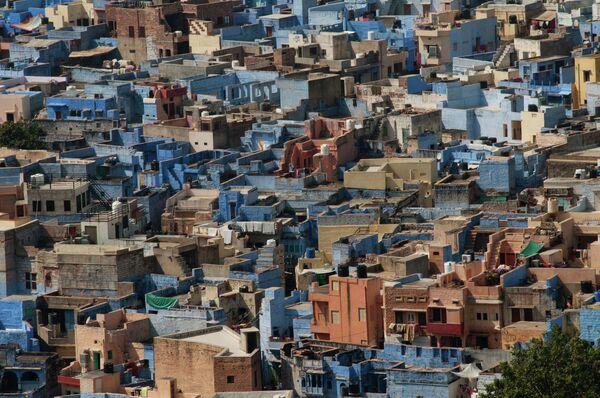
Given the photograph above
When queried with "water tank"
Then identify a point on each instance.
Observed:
(310, 252)
(178, 33)
(71, 88)
(350, 124)
(279, 111)
(325, 150)
(552, 206)
(348, 85)
(109, 368)
(205, 114)
(343, 271)
(271, 242)
(361, 271)
(587, 287)
(116, 205)
(360, 55)
(371, 35)
(448, 266)
(235, 63)
(37, 180)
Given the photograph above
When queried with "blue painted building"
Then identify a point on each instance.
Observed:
(17, 323)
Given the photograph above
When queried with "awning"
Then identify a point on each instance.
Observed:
(30, 25)
(471, 371)
(102, 50)
(531, 249)
(546, 16)
(160, 303)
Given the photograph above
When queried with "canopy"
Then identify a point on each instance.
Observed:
(531, 249)
(471, 371)
(30, 25)
(160, 303)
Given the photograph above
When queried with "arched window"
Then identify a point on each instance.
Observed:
(10, 382)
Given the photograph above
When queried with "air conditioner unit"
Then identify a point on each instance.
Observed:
(467, 258)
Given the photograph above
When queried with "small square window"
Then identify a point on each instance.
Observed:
(335, 317)
(67, 205)
(49, 205)
(110, 355)
(230, 379)
(30, 281)
(362, 314)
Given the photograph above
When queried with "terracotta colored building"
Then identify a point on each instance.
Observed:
(327, 144)
(348, 309)
(210, 360)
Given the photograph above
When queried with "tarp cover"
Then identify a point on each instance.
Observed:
(531, 249)
(159, 302)
(471, 371)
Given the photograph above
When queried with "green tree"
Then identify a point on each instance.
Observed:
(561, 367)
(22, 135)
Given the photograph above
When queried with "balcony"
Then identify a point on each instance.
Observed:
(445, 329)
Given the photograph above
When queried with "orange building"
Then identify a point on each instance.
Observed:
(348, 309)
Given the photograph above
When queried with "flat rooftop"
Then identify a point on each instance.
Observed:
(218, 337)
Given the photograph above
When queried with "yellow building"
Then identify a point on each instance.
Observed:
(587, 70)
(390, 173)
(80, 13)
(202, 38)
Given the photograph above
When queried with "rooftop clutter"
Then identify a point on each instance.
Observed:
(293, 198)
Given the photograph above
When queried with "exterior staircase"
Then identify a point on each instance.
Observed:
(501, 58)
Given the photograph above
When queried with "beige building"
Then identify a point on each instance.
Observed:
(15, 107)
(203, 39)
(390, 173)
(58, 198)
(93, 270)
(79, 13)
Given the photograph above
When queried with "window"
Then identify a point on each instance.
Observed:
(362, 314)
(131, 31)
(230, 379)
(49, 205)
(110, 356)
(438, 315)
(37, 205)
(485, 316)
(30, 281)
(335, 317)
(587, 75)
(479, 316)
(335, 285)
(142, 31)
(67, 205)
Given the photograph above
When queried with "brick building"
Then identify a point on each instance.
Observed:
(211, 360)
(148, 32)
